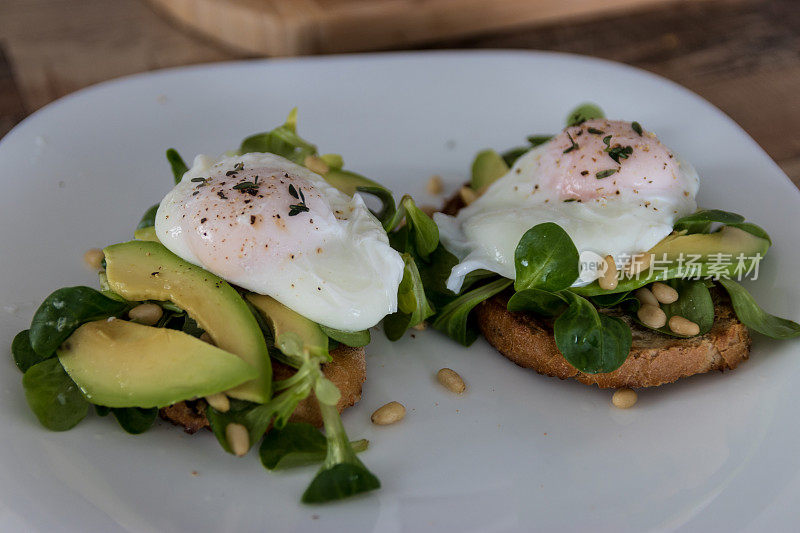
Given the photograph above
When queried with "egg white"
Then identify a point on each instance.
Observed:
(620, 215)
(331, 263)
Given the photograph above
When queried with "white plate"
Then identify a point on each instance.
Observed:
(516, 452)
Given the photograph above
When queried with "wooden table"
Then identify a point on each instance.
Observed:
(743, 56)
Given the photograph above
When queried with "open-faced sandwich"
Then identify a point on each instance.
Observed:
(583, 255)
(243, 305)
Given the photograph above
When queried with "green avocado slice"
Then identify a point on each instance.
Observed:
(145, 270)
(118, 363)
(728, 240)
(294, 334)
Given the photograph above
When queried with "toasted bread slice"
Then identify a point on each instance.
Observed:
(655, 358)
(347, 371)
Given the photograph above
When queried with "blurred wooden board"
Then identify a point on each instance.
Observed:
(295, 27)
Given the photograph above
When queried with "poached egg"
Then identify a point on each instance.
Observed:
(273, 227)
(614, 189)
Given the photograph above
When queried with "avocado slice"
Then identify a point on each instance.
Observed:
(728, 240)
(487, 168)
(146, 234)
(123, 364)
(348, 182)
(144, 270)
(294, 334)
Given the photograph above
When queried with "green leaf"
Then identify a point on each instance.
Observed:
(412, 304)
(453, 320)
(326, 391)
(53, 397)
(101, 410)
(66, 309)
(546, 259)
(177, 165)
(149, 218)
(386, 198)
(410, 294)
(342, 474)
(538, 302)
(23, 353)
(752, 316)
(592, 342)
(339, 482)
(354, 339)
(537, 140)
(282, 141)
(694, 303)
(191, 327)
(700, 221)
(613, 299)
(511, 156)
(396, 324)
(434, 274)
(753, 229)
(334, 161)
(350, 183)
(584, 112)
(424, 230)
(135, 420)
(487, 167)
(419, 236)
(297, 444)
(710, 215)
(291, 121)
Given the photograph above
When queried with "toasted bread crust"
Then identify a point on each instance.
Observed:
(347, 371)
(654, 359)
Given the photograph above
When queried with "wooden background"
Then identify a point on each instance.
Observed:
(742, 55)
(300, 27)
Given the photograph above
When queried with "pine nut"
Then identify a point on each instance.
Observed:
(652, 316)
(205, 337)
(422, 326)
(238, 438)
(389, 414)
(315, 164)
(451, 380)
(93, 257)
(219, 401)
(467, 195)
(640, 263)
(645, 297)
(683, 326)
(624, 398)
(664, 293)
(608, 281)
(435, 185)
(147, 314)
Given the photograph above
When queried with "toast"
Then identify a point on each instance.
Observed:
(347, 370)
(654, 359)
